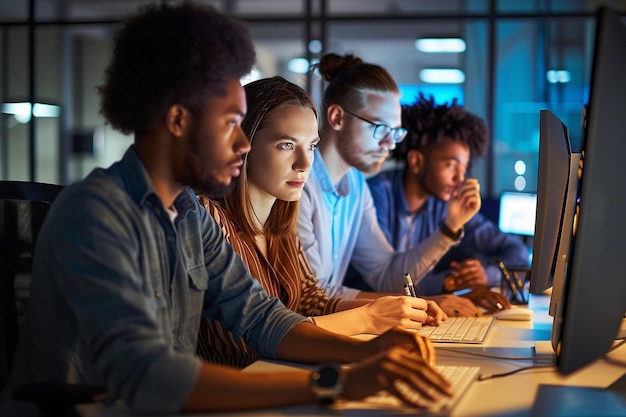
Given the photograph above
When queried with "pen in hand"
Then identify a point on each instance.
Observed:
(409, 285)
(407, 291)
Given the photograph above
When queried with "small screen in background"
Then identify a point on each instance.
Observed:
(517, 213)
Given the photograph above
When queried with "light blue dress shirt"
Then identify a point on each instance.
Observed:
(337, 225)
(118, 290)
(404, 229)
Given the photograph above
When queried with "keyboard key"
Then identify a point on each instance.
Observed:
(459, 330)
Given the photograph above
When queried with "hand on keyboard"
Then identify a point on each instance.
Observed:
(460, 378)
(400, 372)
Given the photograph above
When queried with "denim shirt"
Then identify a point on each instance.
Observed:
(404, 229)
(118, 290)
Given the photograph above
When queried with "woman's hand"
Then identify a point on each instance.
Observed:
(386, 312)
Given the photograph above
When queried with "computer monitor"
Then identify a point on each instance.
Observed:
(594, 296)
(557, 191)
(517, 213)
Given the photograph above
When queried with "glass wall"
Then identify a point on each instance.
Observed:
(540, 65)
(520, 57)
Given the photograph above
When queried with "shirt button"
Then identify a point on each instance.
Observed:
(157, 294)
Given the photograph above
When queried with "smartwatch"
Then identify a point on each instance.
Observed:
(327, 383)
(443, 227)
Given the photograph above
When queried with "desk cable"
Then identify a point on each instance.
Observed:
(621, 342)
(484, 377)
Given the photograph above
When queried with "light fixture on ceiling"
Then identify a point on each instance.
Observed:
(440, 45)
(442, 76)
(300, 65)
(21, 110)
(315, 46)
(558, 76)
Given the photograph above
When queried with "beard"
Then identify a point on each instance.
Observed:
(351, 151)
(196, 172)
(211, 188)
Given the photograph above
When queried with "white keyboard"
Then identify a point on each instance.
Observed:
(459, 330)
(460, 378)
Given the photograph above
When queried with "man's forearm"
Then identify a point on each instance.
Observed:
(307, 343)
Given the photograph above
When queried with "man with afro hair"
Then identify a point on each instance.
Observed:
(410, 201)
(128, 261)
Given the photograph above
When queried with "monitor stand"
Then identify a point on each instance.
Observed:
(545, 348)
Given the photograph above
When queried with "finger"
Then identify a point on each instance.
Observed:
(419, 316)
(430, 321)
(488, 305)
(411, 324)
(436, 312)
(418, 303)
(426, 373)
(497, 302)
(468, 308)
(426, 349)
(502, 300)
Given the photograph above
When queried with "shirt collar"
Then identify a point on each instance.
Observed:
(139, 186)
(342, 188)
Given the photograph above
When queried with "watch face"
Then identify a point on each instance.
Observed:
(328, 377)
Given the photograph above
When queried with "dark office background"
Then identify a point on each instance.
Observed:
(521, 56)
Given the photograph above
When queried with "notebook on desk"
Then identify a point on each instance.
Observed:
(459, 330)
(461, 379)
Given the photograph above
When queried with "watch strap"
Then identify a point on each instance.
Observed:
(446, 231)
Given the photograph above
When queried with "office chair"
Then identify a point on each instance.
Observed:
(23, 207)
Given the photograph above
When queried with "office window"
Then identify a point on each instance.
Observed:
(541, 60)
(360, 7)
(526, 52)
(555, 6)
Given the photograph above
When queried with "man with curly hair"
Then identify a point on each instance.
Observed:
(411, 201)
(128, 260)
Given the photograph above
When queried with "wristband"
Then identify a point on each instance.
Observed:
(443, 227)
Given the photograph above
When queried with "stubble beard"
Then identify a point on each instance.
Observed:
(197, 173)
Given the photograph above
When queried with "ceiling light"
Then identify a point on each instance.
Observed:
(22, 110)
(301, 65)
(442, 76)
(440, 45)
(558, 76)
(298, 65)
(315, 46)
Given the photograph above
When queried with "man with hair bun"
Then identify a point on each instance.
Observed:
(360, 123)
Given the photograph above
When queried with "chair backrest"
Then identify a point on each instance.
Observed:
(23, 207)
(25, 190)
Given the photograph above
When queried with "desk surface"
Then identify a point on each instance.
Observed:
(535, 392)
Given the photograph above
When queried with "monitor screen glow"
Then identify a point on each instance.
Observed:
(517, 213)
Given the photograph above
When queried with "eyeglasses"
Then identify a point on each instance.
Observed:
(381, 131)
